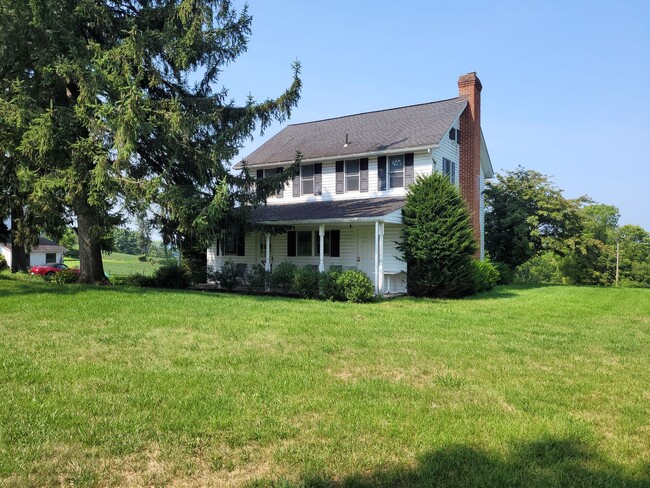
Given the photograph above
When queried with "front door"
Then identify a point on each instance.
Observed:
(366, 251)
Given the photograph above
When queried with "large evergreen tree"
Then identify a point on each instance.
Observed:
(116, 99)
(438, 243)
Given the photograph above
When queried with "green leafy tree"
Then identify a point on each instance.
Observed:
(69, 239)
(634, 242)
(590, 257)
(526, 215)
(126, 241)
(438, 242)
(106, 101)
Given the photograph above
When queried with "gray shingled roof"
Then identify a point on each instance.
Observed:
(349, 210)
(396, 128)
(44, 245)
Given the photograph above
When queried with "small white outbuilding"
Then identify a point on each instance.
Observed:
(46, 252)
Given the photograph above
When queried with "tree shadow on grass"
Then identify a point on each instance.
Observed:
(541, 464)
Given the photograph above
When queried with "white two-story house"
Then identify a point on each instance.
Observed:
(344, 208)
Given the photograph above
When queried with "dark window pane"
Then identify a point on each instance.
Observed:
(308, 171)
(352, 167)
(307, 186)
(396, 180)
(352, 183)
(50, 257)
(231, 244)
(304, 243)
(396, 163)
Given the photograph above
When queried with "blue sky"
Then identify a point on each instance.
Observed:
(566, 85)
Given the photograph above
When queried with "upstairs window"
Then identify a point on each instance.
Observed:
(307, 179)
(396, 171)
(454, 135)
(352, 175)
(265, 173)
(449, 170)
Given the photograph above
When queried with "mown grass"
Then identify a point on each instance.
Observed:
(537, 387)
(119, 264)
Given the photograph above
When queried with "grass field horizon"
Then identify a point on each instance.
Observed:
(121, 264)
(522, 386)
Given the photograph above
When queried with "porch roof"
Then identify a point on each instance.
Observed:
(358, 210)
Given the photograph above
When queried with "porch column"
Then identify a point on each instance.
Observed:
(380, 267)
(267, 261)
(376, 280)
(218, 263)
(321, 235)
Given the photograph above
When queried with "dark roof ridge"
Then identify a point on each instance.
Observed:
(375, 111)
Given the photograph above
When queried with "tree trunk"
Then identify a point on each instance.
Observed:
(90, 249)
(19, 257)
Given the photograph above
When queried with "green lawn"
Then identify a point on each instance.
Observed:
(118, 264)
(526, 387)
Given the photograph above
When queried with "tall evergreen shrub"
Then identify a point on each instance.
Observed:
(437, 240)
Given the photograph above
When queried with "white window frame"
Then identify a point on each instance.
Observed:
(304, 179)
(352, 175)
(449, 170)
(389, 172)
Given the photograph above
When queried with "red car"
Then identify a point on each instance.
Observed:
(50, 269)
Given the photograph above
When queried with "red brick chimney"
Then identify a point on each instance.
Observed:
(469, 88)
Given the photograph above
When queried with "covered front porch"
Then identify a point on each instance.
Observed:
(361, 234)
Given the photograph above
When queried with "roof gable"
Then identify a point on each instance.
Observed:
(408, 127)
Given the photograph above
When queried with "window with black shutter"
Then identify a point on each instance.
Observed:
(307, 179)
(352, 175)
(396, 171)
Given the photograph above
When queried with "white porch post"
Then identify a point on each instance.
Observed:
(376, 258)
(380, 267)
(218, 263)
(321, 235)
(267, 261)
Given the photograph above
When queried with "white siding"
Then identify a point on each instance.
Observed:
(214, 262)
(482, 214)
(394, 268)
(348, 249)
(37, 258)
(7, 254)
(448, 149)
(213, 259)
(422, 167)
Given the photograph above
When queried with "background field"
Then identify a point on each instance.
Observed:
(525, 387)
(120, 264)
